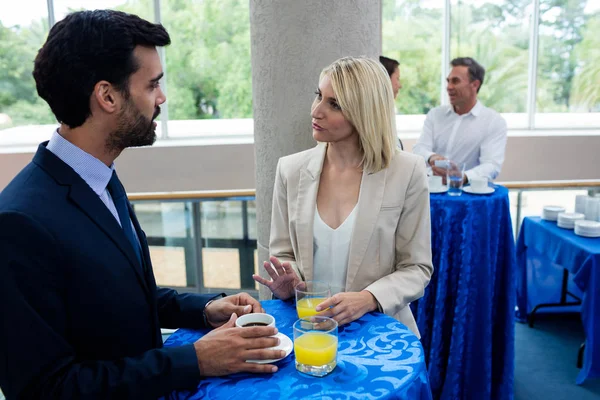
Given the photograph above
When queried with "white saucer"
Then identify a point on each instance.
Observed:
(588, 235)
(285, 344)
(469, 189)
(440, 190)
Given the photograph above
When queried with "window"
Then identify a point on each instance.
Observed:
(411, 34)
(568, 69)
(208, 79)
(143, 8)
(23, 29)
(496, 34)
(208, 63)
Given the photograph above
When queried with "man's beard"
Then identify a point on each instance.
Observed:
(133, 129)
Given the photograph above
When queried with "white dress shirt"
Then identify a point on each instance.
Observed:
(331, 248)
(477, 139)
(93, 171)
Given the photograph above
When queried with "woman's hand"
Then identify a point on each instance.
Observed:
(347, 307)
(283, 278)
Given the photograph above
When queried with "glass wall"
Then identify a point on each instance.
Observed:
(411, 35)
(23, 29)
(539, 75)
(208, 63)
(553, 62)
(497, 36)
(143, 8)
(568, 70)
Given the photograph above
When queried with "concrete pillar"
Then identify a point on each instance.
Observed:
(291, 42)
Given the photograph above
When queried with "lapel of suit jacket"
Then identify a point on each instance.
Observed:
(141, 237)
(87, 201)
(370, 199)
(147, 267)
(308, 187)
(148, 272)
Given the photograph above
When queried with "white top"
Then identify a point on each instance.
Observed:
(331, 248)
(477, 139)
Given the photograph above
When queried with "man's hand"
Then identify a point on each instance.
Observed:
(219, 311)
(225, 350)
(283, 278)
(437, 170)
(349, 306)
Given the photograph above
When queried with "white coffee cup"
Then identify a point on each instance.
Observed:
(592, 208)
(255, 319)
(479, 183)
(435, 182)
(580, 203)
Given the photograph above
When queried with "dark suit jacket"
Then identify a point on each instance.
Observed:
(79, 316)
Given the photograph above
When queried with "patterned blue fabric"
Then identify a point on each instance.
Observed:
(466, 317)
(550, 245)
(378, 358)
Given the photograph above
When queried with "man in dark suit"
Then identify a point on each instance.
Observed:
(80, 311)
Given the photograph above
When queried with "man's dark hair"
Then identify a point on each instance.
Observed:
(476, 71)
(389, 63)
(85, 48)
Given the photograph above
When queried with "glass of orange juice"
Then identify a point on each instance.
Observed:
(309, 295)
(315, 345)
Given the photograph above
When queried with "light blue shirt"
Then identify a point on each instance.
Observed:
(93, 171)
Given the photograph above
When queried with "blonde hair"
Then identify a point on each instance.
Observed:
(363, 90)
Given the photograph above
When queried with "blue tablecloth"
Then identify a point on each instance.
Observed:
(466, 317)
(581, 257)
(378, 358)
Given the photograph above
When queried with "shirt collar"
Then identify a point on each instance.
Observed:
(93, 171)
(475, 111)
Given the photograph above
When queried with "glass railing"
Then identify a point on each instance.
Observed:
(529, 198)
(206, 241)
(201, 242)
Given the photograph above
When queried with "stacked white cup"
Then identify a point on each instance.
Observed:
(592, 209)
(580, 203)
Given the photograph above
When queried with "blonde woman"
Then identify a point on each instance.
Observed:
(352, 211)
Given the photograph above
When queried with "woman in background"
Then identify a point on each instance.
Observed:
(352, 211)
(393, 69)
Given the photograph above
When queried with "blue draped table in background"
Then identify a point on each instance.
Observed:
(541, 246)
(378, 358)
(466, 317)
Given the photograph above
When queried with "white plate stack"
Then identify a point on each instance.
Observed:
(550, 213)
(567, 220)
(587, 228)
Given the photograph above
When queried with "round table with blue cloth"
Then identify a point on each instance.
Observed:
(378, 358)
(466, 316)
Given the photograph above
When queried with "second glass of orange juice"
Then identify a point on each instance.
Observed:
(315, 345)
(309, 295)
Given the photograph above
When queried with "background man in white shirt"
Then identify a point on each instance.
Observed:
(465, 131)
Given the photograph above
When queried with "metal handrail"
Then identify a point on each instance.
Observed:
(227, 194)
(520, 187)
(192, 195)
(536, 185)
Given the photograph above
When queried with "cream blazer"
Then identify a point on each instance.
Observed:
(390, 249)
